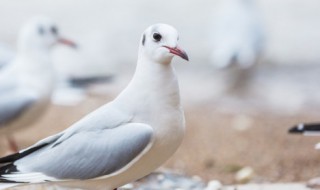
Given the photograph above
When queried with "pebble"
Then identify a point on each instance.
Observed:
(314, 183)
(244, 175)
(169, 181)
(242, 122)
(214, 185)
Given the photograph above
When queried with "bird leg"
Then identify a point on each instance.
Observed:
(12, 144)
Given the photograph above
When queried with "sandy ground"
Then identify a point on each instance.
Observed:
(219, 140)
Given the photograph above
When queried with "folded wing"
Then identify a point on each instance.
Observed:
(84, 155)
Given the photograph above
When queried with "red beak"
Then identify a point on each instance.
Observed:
(67, 42)
(178, 51)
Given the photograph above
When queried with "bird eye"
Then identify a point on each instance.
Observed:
(157, 37)
(41, 30)
(54, 30)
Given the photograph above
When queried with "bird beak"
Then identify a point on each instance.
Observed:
(178, 51)
(67, 42)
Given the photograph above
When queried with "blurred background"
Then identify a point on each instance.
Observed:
(253, 73)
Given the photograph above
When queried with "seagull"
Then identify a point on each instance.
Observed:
(26, 83)
(237, 34)
(123, 140)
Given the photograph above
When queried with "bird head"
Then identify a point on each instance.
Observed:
(41, 33)
(160, 43)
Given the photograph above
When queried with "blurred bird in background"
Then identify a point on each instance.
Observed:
(238, 35)
(238, 38)
(27, 82)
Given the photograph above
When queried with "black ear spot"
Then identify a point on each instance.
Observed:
(54, 30)
(40, 30)
(143, 39)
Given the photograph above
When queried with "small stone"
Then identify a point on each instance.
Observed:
(314, 183)
(242, 123)
(196, 178)
(317, 146)
(160, 177)
(127, 186)
(214, 185)
(244, 175)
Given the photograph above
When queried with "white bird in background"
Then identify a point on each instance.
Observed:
(26, 83)
(6, 55)
(121, 141)
(237, 34)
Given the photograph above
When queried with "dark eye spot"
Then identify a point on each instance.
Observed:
(54, 30)
(143, 39)
(40, 30)
(157, 37)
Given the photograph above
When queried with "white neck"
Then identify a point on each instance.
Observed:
(153, 84)
(33, 51)
(35, 69)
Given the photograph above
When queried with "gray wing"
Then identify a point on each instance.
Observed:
(86, 155)
(14, 103)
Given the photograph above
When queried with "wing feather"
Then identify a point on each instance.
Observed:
(84, 155)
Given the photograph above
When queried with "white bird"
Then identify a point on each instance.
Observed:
(237, 34)
(120, 142)
(27, 82)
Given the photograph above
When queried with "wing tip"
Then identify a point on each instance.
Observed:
(16, 156)
(8, 169)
